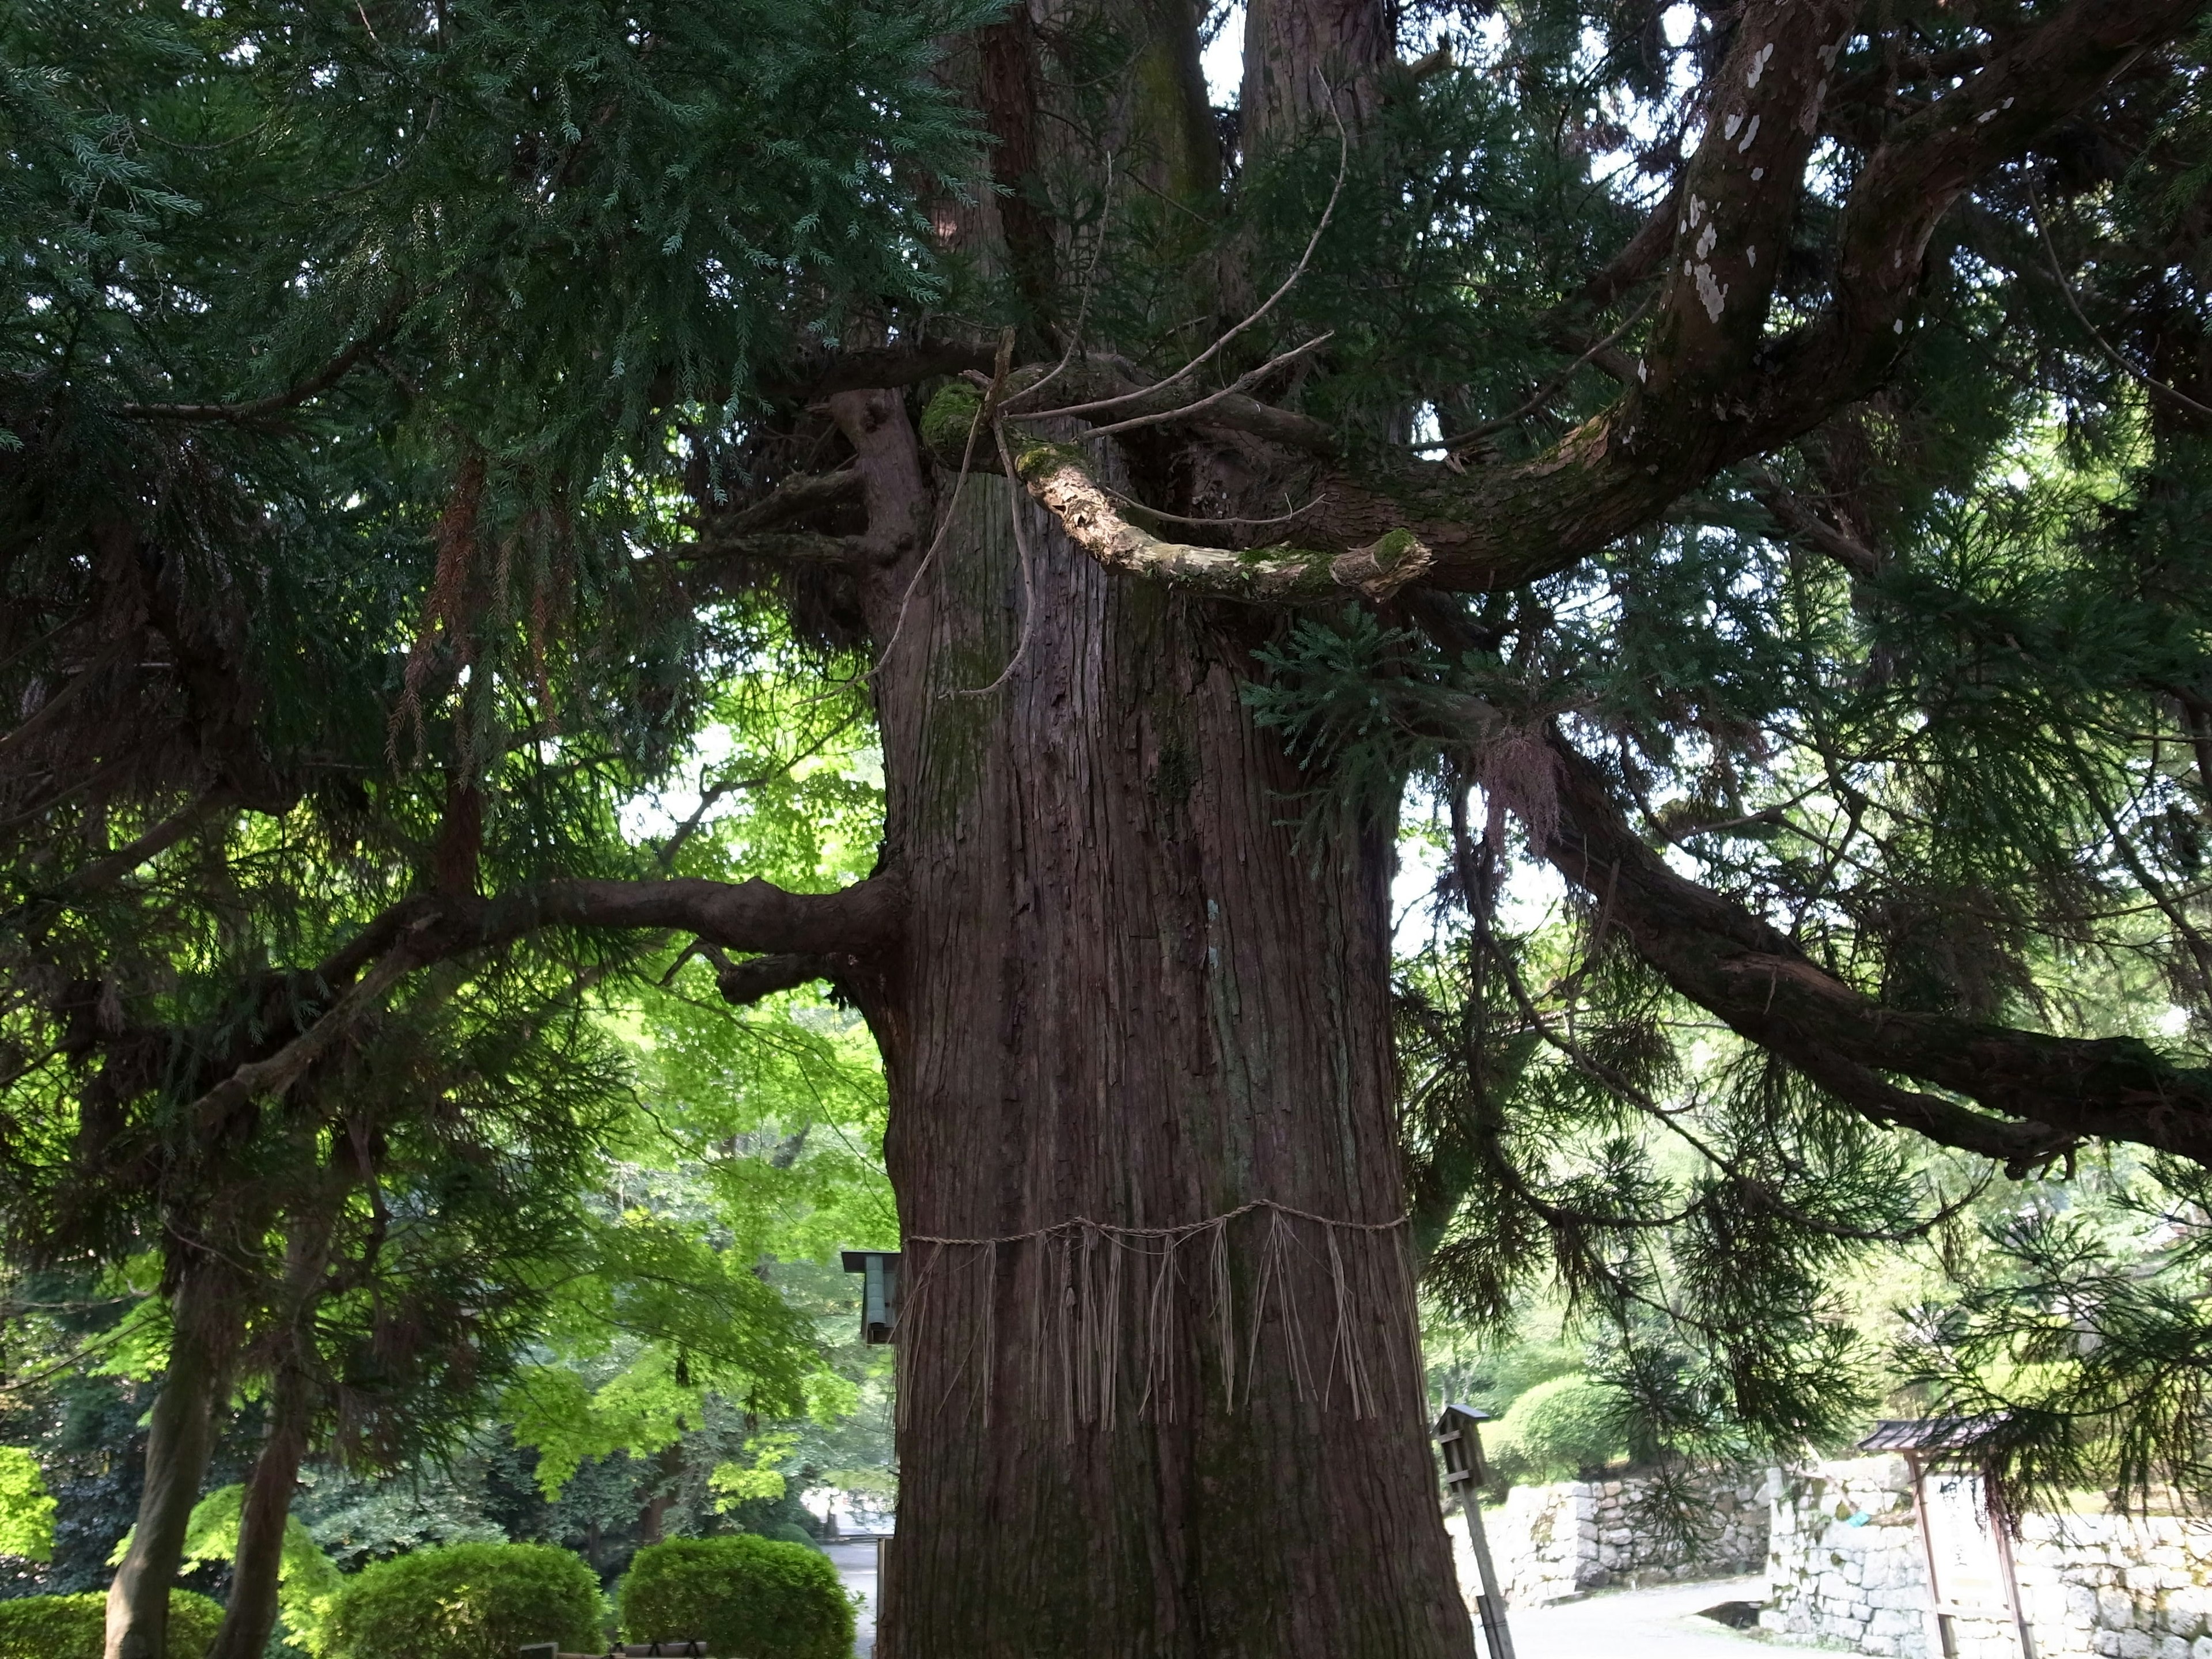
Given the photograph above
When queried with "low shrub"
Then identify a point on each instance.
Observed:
(1558, 1429)
(746, 1597)
(464, 1602)
(75, 1626)
(787, 1532)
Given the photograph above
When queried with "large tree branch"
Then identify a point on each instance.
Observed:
(854, 923)
(781, 547)
(888, 462)
(1737, 201)
(796, 498)
(1715, 387)
(2056, 1089)
(1925, 165)
(1059, 477)
(320, 381)
(749, 915)
(883, 366)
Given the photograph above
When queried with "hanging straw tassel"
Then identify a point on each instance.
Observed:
(1076, 1282)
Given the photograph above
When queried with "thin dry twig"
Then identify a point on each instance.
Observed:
(1343, 167)
(2126, 365)
(1022, 549)
(1242, 383)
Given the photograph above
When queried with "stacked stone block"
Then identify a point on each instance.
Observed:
(1845, 1566)
(1551, 1543)
(1846, 1571)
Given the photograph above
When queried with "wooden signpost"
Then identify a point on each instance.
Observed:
(1461, 1441)
(1966, 1538)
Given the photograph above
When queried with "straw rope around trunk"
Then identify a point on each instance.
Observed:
(1109, 1312)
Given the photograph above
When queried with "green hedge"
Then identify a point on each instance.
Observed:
(466, 1602)
(1558, 1429)
(746, 1597)
(75, 1626)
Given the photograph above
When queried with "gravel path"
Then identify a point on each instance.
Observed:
(856, 1566)
(1663, 1623)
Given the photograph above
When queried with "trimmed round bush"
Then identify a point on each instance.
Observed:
(75, 1626)
(747, 1597)
(466, 1602)
(1560, 1428)
(787, 1532)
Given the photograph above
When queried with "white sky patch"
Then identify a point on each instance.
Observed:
(1534, 892)
(1224, 62)
(655, 816)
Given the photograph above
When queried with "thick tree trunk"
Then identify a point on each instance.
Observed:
(251, 1614)
(667, 1479)
(1130, 993)
(179, 1435)
(267, 1511)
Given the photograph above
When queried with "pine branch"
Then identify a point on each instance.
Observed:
(2058, 1090)
(320, 381)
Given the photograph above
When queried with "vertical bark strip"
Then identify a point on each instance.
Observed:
(180, 1434)
(1006, 81)
(267, 1511)
(1128, 992)
(252, 1615)
(1303, 58)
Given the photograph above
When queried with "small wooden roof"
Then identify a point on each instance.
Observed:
(1933, 1434)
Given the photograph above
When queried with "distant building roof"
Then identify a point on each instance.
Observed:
(1933, 1434)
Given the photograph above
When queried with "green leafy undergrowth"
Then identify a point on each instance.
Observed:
(745, 1597)
(75, 1626)
(466, 1602)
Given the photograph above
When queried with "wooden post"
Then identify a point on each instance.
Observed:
(1462, 1442)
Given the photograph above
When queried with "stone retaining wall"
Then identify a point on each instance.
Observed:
(1552, 1542)
(1846, 1571)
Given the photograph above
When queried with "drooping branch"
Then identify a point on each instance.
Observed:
(314, 385)
(2055, 1089)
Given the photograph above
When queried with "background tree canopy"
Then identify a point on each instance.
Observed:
(639, 642)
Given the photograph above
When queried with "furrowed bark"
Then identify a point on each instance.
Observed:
(2051, 1091)
(1304, 59)
(180, 1433)
(1126, 993)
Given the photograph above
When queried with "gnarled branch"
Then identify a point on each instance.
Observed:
(1059, 478)
(2056, 1090)
(751, 915)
